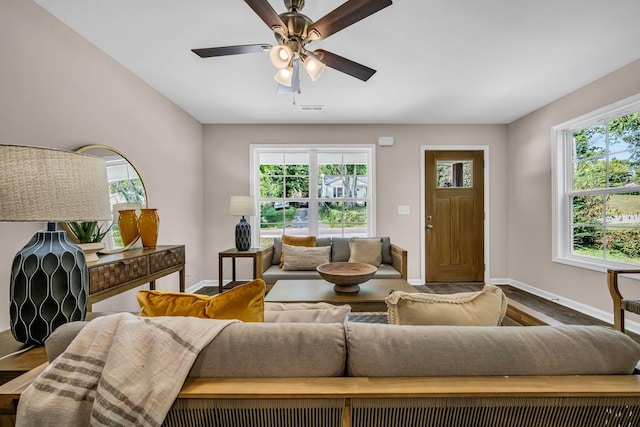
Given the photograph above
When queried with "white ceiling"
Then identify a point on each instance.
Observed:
(438, 61)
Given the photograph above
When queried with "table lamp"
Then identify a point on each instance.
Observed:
(244, 206)
(49, 276)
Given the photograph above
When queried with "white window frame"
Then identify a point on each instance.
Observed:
(313, 149)
(561, 183)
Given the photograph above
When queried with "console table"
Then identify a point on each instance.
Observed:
(116, 273)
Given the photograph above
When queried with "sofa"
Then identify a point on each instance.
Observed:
(363, 374)
(394, 260)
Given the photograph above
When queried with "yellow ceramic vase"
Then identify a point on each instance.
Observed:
(149, 222)
(128, 224)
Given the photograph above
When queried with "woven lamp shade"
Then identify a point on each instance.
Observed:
(46, 185)
(49, 275)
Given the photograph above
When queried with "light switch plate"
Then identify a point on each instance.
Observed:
(403, 210)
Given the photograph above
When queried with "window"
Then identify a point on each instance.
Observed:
(597, 183)
(326, 191)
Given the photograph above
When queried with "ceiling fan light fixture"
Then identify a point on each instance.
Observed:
(313, 67)
(281, 56)
(284, 76)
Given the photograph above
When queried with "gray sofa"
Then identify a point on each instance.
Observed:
(360, 374)
(394, 260)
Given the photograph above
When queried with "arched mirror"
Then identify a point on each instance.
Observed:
(126, 191)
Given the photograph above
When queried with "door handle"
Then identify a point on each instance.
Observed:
(429, 226)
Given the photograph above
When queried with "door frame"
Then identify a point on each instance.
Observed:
(485, 150)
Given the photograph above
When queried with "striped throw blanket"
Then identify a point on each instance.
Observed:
(121, 370)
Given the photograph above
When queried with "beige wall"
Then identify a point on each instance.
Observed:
(226, 156)
(529, 191)
(58, 90)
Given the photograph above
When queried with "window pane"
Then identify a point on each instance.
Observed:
(621, 170)
(623, 244)
(623, 209)
(591, 142)
(624, 133)
(271, 187)
(297, 187)
(590, 174)
(454, 174)
(588, 241)
(588, 209)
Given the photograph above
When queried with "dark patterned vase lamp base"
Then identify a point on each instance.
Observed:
(243, 235)
(47, 287)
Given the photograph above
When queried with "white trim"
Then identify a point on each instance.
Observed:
(561, 232)
(485, 150)
(605, 316)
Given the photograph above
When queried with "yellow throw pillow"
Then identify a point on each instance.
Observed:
(244, 302)
(482, 308)
(368, 251)
(308, 241)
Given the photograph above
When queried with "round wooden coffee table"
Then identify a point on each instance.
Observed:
(346, 276)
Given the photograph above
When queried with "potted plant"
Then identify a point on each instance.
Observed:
(89, 235)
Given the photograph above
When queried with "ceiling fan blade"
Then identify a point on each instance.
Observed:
(345, 65)
(344, 15)
(264, 10)
(230, 50)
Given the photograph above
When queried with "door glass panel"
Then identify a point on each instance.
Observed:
(454, 174)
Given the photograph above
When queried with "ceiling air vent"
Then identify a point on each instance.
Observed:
(312, 107)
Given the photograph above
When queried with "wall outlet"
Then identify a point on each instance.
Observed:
(403, 210)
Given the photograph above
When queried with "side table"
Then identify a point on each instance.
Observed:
(233, 254)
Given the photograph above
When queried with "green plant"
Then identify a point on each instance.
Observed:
(88, 231)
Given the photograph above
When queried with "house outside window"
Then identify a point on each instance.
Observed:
(597, 188)
(325, 190)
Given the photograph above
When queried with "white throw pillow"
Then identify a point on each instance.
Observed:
(368, 251)
(304, 258)
(482, 308)
(320, 312)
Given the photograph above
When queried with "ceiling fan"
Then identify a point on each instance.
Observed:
(294, 31)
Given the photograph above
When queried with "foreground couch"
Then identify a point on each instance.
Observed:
(394, 260)
(360, 374)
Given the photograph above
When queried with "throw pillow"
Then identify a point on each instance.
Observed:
(320, 312)
(303, 258)
(244, 302)
(368, 251)
(482, 308)
(308, 241)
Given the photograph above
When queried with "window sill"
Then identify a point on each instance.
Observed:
(593, 264)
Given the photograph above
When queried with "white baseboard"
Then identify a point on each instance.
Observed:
(569, 303)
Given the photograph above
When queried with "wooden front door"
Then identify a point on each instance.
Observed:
(454, 216)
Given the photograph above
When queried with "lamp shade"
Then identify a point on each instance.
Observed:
(281, 56)
(242, 205)
(47, 185)
(313, 67)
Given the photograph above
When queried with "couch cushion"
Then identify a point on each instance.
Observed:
(304, 258)
(319, 312)
(482, 308)
(378, 350)
(254, 350)
(308, 241)
(244, 302)
(274, 350)
(340, 249)
(368, 251)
